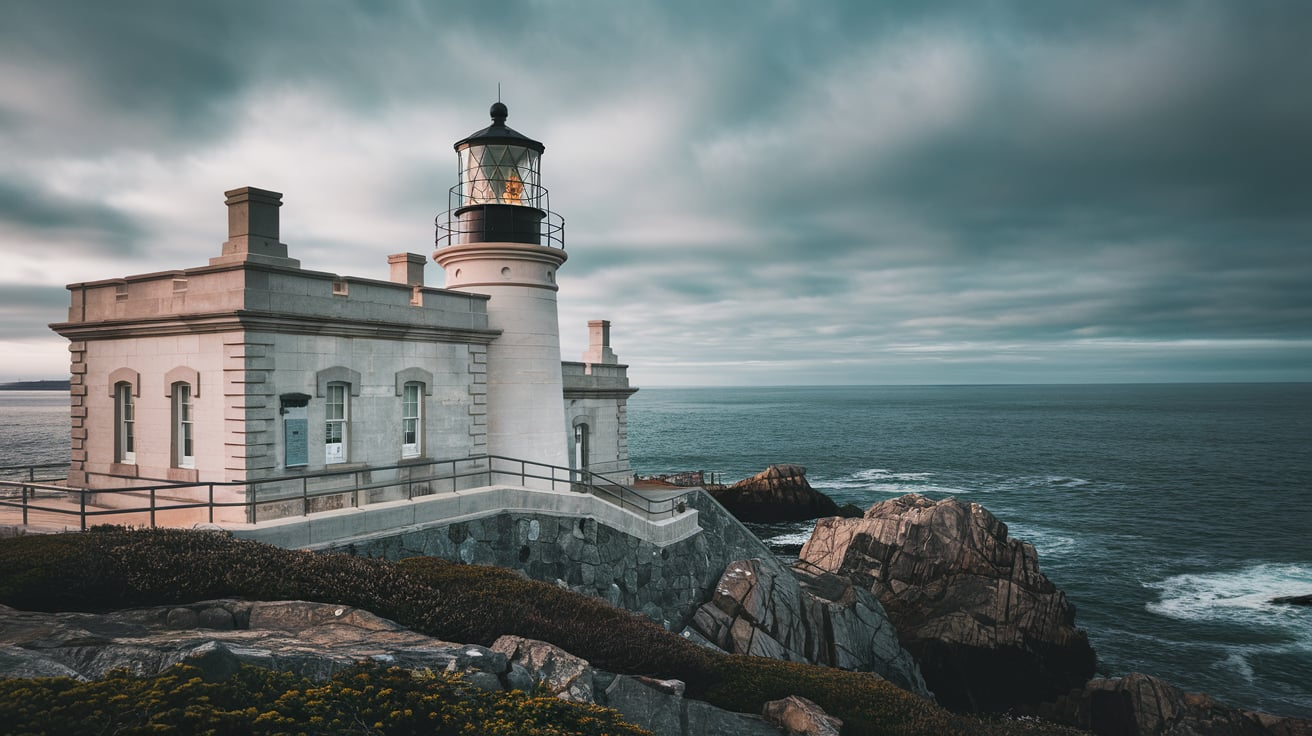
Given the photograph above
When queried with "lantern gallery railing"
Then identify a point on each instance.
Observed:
(49, 504)
(512, 211)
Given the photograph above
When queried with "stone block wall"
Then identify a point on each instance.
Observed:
(666, 584)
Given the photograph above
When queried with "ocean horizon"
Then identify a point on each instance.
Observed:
(1169, 513)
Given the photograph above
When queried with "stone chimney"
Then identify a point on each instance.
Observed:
(253, 229)
(407, 268)
(599, 343)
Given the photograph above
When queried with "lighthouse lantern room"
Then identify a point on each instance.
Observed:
(499, 196)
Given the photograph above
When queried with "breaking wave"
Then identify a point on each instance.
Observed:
(1048, 542)
(882, 480)
(1240, 597)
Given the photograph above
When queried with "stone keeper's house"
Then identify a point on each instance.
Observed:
(253, 368)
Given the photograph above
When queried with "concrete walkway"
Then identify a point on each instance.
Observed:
(327, 528)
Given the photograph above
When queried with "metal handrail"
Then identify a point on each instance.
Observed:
(30, 470)
(451, 231)
(485, 466)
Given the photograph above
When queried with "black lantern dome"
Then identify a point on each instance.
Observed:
(499, 197)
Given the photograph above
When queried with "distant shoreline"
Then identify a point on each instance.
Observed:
(62, 385)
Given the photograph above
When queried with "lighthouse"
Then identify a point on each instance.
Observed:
(499, 237)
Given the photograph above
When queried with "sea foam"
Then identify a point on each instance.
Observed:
(1242, 596)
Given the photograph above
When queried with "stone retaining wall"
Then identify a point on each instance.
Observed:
(666, 583)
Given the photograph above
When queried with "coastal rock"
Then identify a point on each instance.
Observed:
(989, 631)
(1141, 705)
(798, 716)
(317, 640)
(314, 640)
(851, 511)
(566, 676)
(803, 615)
(663, 710)
(778, 493)
(1294, 600)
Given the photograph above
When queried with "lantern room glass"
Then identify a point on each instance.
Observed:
(499, 174)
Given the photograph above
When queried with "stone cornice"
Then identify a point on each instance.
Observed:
(599, 393)
(193, 324)
(265, 267)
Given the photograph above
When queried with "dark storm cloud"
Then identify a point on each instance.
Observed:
(42, 218)
(26, 310)
(155, 74)
(105, 74)
(895, 179)
(1166, 146)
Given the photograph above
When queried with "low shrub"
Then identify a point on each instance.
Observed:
(481, 603)
(114, 568)
(865, 703)
(748, 683)
(363, 700)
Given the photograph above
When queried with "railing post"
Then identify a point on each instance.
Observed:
(82, 508)
(305, 496)
(211, 503)
(25, 505)
(152, 507)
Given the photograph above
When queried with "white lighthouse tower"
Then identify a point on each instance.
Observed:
(500, 238)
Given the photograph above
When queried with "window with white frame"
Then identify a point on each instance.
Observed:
(337, 417)
(412, 418)
(581, 447)
(184, 455)
(124, 424)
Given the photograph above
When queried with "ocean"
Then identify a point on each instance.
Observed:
(1168, 513)
(33, 427)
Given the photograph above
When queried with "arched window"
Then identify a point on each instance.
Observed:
(412, 419)
(124, 424)
(337, 416)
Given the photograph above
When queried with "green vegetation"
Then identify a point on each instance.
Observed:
(111, 568)
(363, 700)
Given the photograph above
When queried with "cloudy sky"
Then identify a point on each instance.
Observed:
(755, 192)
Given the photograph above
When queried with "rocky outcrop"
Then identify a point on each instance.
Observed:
(569, 677)
(778, 493)
(310, 639)
(798, 716)
(659, 706)
(851, 511)
(316, 640)
(803, 615)
(989, 631)
(1140, 705)
(1294, 600)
